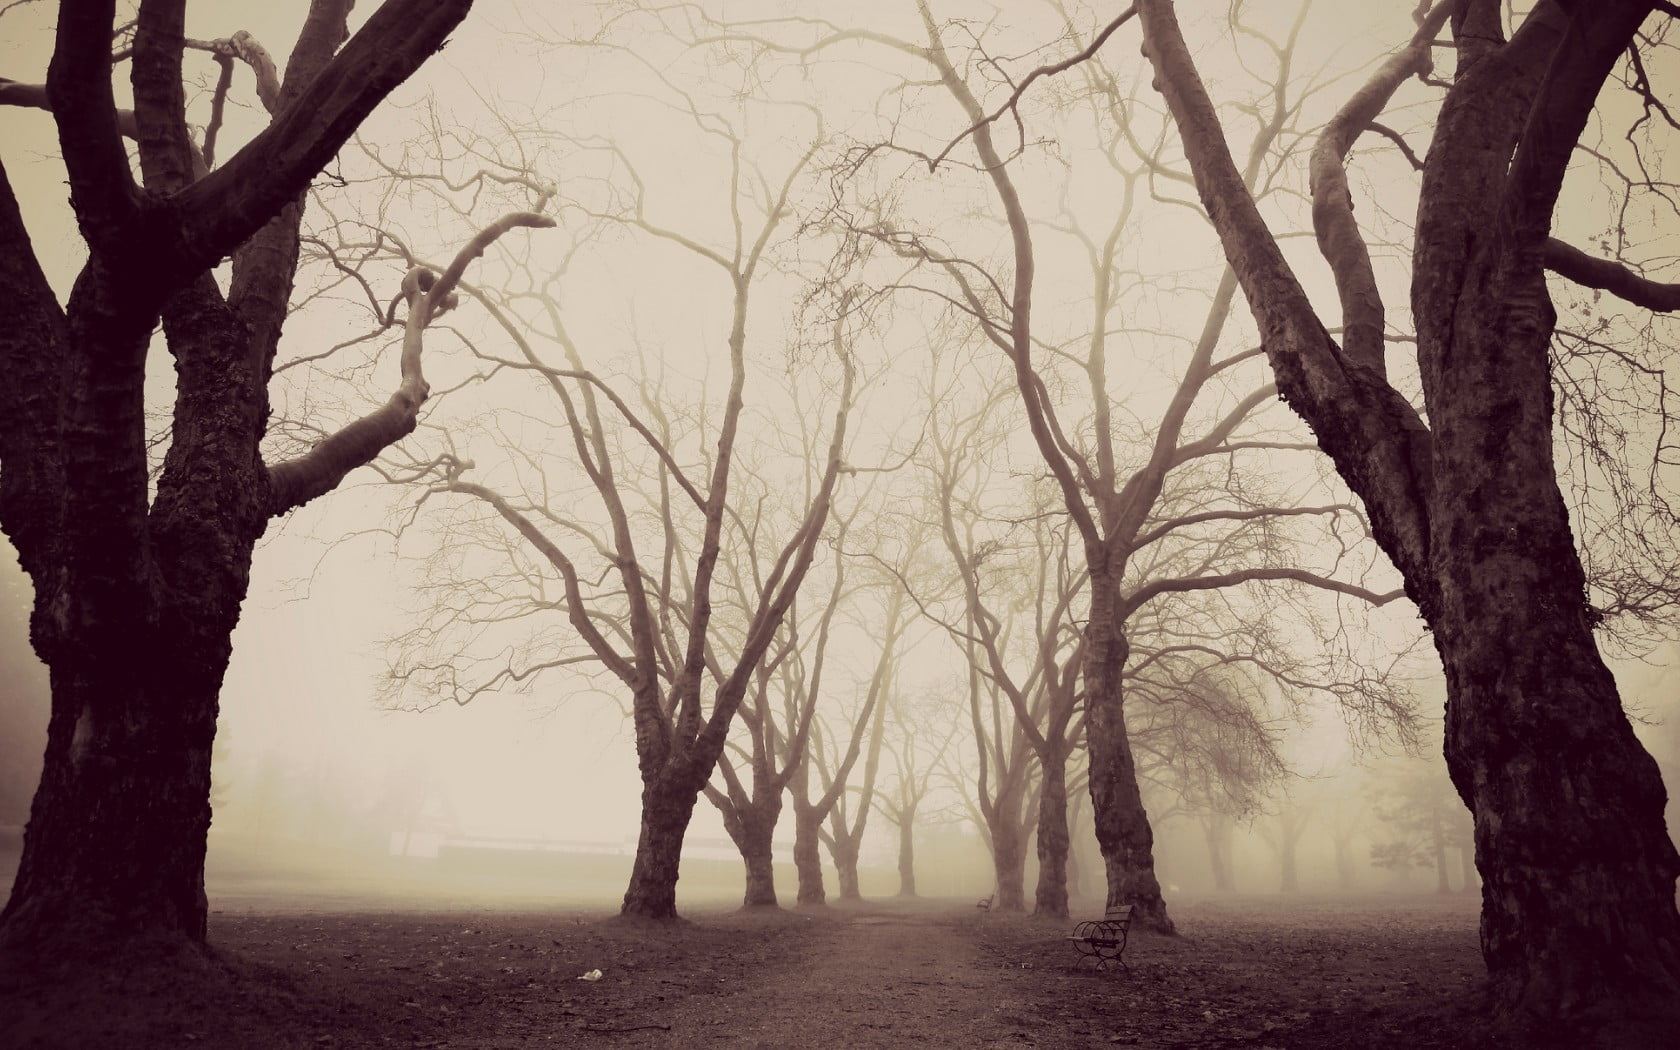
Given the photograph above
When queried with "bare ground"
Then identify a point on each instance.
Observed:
(1250, 973)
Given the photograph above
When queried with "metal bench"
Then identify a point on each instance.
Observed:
(985, 903)
(1103, 940)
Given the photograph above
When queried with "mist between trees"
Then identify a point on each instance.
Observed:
(946, 424)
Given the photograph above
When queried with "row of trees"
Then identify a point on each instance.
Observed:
(1091, 507)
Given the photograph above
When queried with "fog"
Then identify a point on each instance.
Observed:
(327, 794)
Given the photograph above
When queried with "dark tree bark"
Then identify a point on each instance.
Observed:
(752, 827)
(1009, 863)
(1050, 897)
(807, 853)
(667, 808)
(907, 853)
(1578, 908)
(137, 596)
(1122, 823)
(845, 857)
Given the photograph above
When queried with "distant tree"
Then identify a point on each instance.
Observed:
(1423, 819)
(622, 569)
(919, 747)
(1281, 830)
(776, 746)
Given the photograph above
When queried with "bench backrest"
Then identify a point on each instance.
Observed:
(1119, 913)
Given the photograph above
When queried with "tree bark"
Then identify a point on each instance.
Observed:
(907, 853)
(807, 854)
(1009, 862)
(138, 589)
(114, 851)
(752, 827)
(1123, 831)
(666, 810)
(760, 861)
(845, 854)
(1051, 894)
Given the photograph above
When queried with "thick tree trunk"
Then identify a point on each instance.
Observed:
(1578, 908)
(136, 632)
(1051, 895)
(1438, 846)
(1009, 862)
(1578, 872)
(114, 851)
(907, 854)
(757, 832)
(1075, 887)
(807, 855)
(1577, 868)
(1123, 831)
(845, 855)
(1466, 867)
(666, 810)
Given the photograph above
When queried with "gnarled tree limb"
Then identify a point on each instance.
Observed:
(318, 471)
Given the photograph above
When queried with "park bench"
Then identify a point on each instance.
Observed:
(985, 903)
(1104, 940)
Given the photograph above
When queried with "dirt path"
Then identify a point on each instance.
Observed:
(1250, 974)
(873, 979)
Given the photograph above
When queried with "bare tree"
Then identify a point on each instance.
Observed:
(1578, 916)
(1213, 409)
(774, 751)
(138, 589)
(641, 578)
(920, 746)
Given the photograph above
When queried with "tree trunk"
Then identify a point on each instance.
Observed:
(1577, 869)
(114, 850)
(1345, 876)
(757, 832)
(1466, 866)
(1123, 831)
(1009, 862)
(907, 854)
(1075, 888)
(845, 854)
(666, 810)
(1438, 846)
(1217, 833)
(1578, 872)
(1051, 895)
(807, 855)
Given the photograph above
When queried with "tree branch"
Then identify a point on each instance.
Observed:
(1042, 71)
(223, 209)
(1339, 239)
(1570, 262)
(1132, 602)
(102, 190)
(318, 471)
